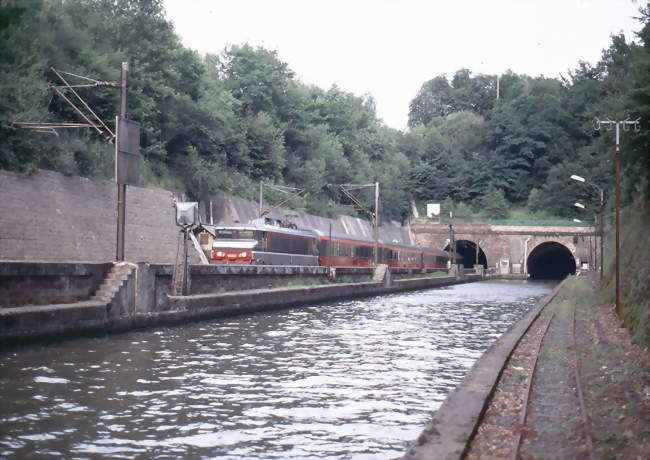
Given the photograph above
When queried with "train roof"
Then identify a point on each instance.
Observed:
(255, 226)
(316, 233)
(394, 244)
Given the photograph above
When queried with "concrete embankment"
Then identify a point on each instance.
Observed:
(142, 296)
(448, 433)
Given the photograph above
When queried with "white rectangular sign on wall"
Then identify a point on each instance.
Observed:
(433, 209)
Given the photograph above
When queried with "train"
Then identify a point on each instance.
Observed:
(273, 245)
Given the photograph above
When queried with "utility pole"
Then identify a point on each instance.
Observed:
(627, 125)
(126, 136)
(292, 192)
(121, 185)
(346, 189)
(600, 215)
(376, 223)
(497, 87)
(452, 242)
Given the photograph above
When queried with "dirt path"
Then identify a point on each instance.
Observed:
(615, 383)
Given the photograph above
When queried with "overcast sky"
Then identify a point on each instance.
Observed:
(389, 48)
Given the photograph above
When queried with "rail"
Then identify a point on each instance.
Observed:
(586, 427)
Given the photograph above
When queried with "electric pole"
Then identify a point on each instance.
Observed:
(346, 189)
(126, 136)
(627, 125)
(121, 185)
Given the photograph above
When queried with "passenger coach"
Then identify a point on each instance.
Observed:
(271, 245)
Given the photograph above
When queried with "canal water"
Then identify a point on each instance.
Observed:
(354, 379)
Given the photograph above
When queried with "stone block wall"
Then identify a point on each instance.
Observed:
(48, 216)
(27, 283)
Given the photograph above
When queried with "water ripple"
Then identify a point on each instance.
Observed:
(355, 379)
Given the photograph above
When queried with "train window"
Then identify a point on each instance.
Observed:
(300, 245)
(364, 252)
(246, 234)
(226, 234)
(324, 247)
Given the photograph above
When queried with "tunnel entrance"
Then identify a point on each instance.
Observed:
(467, 249)
(551, 260)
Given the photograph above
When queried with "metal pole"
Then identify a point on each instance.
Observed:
(121, 188)
(526, 256)
(376, 223)
(329, 248)
(595, 242)
(617, 162)
(602, 210)
(497, 87)
(451, 259)
(261, 197)
(592, 257)
(627, 124)
(185, 264)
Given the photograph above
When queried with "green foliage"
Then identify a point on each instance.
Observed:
(222, 123)
(493, 204)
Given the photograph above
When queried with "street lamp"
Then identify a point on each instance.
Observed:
(599, 213)
(592, 252)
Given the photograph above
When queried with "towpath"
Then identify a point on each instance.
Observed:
(575, 386)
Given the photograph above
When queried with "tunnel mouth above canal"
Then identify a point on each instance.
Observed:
(551, 261)
(467, 250)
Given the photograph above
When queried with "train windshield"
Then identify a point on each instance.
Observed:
(235, 234)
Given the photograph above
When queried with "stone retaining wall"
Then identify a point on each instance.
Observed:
(29, 283)
(144, 298)
(52, 217)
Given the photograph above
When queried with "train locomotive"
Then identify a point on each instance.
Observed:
(274, 245)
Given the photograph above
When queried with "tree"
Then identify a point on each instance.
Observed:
(258, 79)
(433, 100)
(531, 134)
(493, 204)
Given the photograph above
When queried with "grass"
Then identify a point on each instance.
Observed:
(634, 310)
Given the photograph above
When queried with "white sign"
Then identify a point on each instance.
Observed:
(433, 209)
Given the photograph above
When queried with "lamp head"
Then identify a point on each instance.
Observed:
(187, 214)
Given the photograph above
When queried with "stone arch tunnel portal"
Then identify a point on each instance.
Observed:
(467, 249)
(551, 260)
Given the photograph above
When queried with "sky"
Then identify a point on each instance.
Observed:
(389, 48)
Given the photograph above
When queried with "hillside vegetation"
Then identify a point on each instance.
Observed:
(634, 311)
(224, 122)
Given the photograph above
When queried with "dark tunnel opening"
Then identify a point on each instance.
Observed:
(551, 261)
(467, 249)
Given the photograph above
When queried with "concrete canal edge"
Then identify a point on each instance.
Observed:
(144, 302)
(455, 422)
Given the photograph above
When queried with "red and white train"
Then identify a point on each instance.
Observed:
(271, 245)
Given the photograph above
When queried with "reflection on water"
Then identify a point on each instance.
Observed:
(355, 379)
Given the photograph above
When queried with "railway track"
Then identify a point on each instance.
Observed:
(566, 382)
(538, 409)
